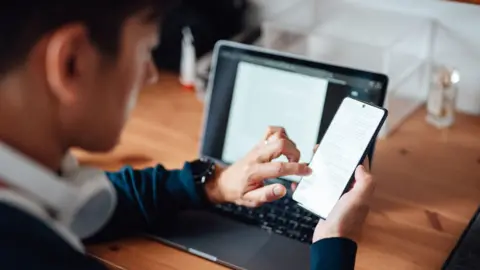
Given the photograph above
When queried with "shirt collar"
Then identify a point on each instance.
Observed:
(21, 201)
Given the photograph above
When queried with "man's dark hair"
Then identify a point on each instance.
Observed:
(24, 22)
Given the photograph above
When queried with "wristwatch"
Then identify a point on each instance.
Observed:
(203, 170)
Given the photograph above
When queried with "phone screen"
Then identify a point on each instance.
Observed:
(341, 149)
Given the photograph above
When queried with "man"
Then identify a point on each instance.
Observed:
(69, 76)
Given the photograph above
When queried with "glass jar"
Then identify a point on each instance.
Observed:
(441, 102)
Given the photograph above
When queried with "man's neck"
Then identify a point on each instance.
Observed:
(46, 156)
(42, 152)
(27, 122)
(33, 139)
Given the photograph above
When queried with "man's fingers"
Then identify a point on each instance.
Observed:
(364, 182)
(294, 186)
(274, 137)
(265, 194)
(275, 130)
(276, 133)
(275, 148)
(249, 204)
(278, 169)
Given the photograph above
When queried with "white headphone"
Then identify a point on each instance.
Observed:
(83, 199)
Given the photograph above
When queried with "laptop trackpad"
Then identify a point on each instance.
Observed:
(222, 238)
(281, 253)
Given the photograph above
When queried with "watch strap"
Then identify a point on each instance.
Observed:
(203, 170)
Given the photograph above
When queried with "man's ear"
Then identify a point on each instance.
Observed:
(67, 59)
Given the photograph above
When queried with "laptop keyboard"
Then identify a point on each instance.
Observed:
(283, 217)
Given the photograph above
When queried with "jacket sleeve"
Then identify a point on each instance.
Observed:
(147, 198)
(333, 254)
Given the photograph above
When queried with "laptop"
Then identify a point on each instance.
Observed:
(251, 88)
(466, 253)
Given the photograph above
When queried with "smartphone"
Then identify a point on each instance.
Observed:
(353, 129)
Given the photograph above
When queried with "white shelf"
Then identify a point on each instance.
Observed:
(350, 35)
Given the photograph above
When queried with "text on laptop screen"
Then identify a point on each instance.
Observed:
(265, 96)
(253, 93)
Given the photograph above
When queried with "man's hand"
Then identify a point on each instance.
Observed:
(243, 182)
(350, 212)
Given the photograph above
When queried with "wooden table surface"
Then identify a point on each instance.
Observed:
(428, 184)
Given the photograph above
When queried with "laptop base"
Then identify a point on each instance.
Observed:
(233, 244)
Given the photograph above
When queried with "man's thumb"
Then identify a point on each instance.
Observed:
(267, 193)
(363, 180)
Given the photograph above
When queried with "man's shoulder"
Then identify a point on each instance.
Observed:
(27, 243)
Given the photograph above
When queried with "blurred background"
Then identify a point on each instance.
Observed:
(410, 41)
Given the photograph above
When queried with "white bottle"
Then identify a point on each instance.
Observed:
(188, 60)
(442, 98)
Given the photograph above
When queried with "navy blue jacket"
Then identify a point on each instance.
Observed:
(145, 198)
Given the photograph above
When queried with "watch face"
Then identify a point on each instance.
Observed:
(202, 168)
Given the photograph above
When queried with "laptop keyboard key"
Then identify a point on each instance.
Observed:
(283, 217)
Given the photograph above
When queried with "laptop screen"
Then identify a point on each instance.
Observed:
(253, 89)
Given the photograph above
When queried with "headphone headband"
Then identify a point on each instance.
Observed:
(83, 200)
(34, 179)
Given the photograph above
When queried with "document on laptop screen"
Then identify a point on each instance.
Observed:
(264, 97)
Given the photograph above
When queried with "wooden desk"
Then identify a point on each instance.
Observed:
(428, 184)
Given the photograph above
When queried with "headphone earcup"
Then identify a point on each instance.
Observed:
(83, 199)
(96, 202)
